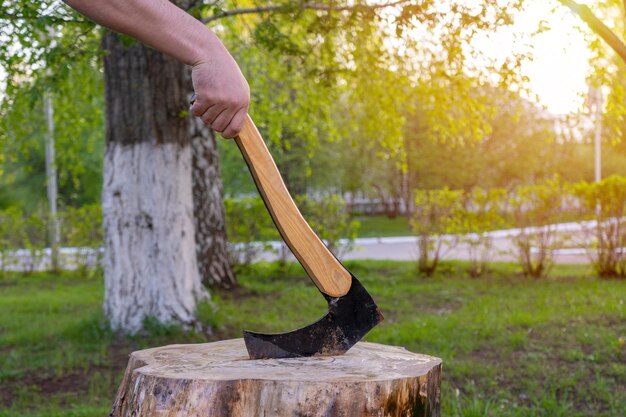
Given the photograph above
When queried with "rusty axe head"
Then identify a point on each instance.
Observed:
(349, 318)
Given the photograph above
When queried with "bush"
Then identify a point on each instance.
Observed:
(606, 237)
(482, 212)
(436, 214)
(329, 218)
(22, 240)
(10, 232)
(249, 229)
(34, 237)
(82, 230)
(535, 209)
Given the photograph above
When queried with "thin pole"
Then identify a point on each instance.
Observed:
(54, 230)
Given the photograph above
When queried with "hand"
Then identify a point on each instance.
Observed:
(222, 93)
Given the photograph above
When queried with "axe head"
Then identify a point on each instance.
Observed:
(349, 318)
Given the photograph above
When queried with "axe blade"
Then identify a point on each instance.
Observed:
(348, 319)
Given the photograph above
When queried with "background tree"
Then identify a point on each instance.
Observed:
(607, 20)
(319, 71)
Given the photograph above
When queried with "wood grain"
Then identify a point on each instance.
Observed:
(217, 379)
(320, 264)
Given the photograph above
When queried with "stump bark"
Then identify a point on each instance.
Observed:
(218, 380)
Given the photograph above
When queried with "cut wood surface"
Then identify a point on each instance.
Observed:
(218, 379)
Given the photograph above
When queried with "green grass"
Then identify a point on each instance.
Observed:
(511, 346)
(383, 226)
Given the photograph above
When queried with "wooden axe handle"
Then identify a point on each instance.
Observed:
(324, 269)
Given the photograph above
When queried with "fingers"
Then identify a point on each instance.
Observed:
(212, 113)
(221, 119)
(199, 106)
(235, 125)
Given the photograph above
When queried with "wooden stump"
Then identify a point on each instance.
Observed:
(218, 380)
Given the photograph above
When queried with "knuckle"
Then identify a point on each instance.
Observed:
(219, 126)
(196, 110)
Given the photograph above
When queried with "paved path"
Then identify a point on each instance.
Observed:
(402, 248)
(405, 248)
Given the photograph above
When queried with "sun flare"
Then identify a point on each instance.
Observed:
(557, 73)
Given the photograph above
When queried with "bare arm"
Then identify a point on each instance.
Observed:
(222, 93)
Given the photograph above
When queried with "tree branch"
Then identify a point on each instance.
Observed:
(305, 6)
(49, 18)
(597, 26)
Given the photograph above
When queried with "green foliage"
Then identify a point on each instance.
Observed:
(22, 240)
(323, 79)
(249, 228)
(81, 228)
(483, 211)
(435, 216)
(535, 209)
(608, 70)
(10, 236)
(606, 237)
(77, 100)
(330, 220)
(47, 49)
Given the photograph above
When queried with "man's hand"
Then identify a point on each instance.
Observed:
(222, 94)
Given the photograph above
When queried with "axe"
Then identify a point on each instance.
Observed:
(351, 310)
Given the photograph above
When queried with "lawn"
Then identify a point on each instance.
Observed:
(383, 226)
(511, 346)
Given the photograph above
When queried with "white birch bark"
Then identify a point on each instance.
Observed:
(150, 258)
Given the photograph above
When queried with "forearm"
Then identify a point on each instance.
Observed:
(157, 23)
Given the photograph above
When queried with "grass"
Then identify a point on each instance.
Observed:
(511, 346)
(383, 226)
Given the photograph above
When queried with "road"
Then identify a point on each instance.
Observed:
(403, 248)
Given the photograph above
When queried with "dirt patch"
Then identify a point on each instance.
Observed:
(237, 293)
(5, 283)
(70, 383)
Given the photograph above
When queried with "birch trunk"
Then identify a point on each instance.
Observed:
(150, 260)
(211, 240)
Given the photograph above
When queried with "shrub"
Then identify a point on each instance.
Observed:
(329, 218)
(249, 229)
(22, 240)
(33, 235)
(482, 212)
(81, 229)
(606, 237)
(436, 214)
(535, 209)
(10, 237)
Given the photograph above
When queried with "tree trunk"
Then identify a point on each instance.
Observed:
(150, 259)
(208, 206)
(218, 379)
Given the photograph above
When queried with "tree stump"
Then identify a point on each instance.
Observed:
(219, 380)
